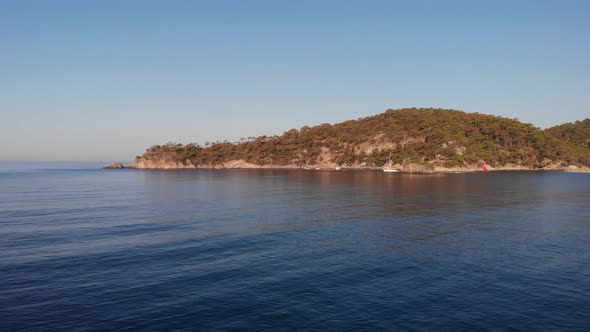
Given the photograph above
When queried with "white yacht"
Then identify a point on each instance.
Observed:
(388, 168)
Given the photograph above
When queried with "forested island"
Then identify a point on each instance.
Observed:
(411, 140)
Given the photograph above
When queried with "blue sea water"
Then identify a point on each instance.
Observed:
(86, 249)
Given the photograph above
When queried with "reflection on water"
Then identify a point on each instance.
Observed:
(261, 249)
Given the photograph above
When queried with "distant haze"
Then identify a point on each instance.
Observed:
(104, 80)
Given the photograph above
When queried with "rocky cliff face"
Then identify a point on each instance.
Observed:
(417, 168)
(156, 163)
(155, 159)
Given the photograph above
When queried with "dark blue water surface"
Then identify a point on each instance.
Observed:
(88, 249)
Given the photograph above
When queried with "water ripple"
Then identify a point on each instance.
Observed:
(88, 249)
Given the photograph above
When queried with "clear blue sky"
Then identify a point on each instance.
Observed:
(103, 80)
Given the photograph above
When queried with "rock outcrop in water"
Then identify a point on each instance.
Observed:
(415, 140)
(115, 166)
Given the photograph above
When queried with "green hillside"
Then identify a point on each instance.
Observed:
(577, 133)
(434, 137)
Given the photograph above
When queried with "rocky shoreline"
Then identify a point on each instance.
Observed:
(411, 168)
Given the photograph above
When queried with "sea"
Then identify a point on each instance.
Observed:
(88, 249)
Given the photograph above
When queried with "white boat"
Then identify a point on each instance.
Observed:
(338, 168)
(388, 168)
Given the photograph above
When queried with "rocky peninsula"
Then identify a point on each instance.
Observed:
(409, 140)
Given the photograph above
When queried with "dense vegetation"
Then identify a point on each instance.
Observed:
(577, 133)
(428, 136)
